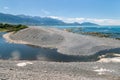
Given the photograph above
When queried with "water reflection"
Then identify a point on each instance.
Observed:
(29, 52)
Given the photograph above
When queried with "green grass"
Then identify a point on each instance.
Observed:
(11, 28)
(3, 30)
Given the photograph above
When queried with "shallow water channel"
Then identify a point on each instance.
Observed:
(11, 51)
(22, 52)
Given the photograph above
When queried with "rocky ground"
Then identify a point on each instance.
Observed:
(41, 70)
(67, 44)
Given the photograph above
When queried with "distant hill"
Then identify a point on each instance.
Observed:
(36, 21)
(27, 20)
(88, 24)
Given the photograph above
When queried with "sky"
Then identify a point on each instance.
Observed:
(104, 12)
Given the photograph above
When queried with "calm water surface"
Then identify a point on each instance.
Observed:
(112, 31)
(20, 51)
(28, 52)
(11, 51)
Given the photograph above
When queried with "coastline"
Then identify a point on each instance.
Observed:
(8, 39)
(99, 70)
(42, 70)
(62, 49)
(66, 42)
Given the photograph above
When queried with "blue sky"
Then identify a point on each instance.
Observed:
(100, 11)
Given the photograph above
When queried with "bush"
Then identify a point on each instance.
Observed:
(10, 27)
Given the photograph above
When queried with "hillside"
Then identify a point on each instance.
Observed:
(37, 21)
(17, 19)
(88, 24)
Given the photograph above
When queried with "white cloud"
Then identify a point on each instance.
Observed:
(6, 8)
(94, 20)
(114, 22)
(74, 20)
(105, 21)
(56, 17)
(45, 12)
(68, 20)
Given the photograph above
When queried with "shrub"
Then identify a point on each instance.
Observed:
(10, 27)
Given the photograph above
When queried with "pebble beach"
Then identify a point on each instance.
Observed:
(66, 43)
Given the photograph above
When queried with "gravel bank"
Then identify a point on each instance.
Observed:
(40, 70)
(66, 42)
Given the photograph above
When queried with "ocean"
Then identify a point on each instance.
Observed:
(112, 31)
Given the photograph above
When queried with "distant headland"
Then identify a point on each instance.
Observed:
(38, 21)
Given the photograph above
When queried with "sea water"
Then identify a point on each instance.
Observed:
(28, 52)
(113, 31)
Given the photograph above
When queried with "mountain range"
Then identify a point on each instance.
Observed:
(37, 21)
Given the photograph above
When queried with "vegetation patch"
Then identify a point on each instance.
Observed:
(96, 34)
(10, 27)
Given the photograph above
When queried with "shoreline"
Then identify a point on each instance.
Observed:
(63, 50)
(65, 42)
(29, 70)
(8, 39)
(102, 59)
(44, 70)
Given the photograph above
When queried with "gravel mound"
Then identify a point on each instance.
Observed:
(40, 70)
(66, 42)
(38, 36)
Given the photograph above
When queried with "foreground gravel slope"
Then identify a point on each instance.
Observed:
(38, 70)
(65, 42)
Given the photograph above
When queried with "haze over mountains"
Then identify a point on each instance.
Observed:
(37, 21)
